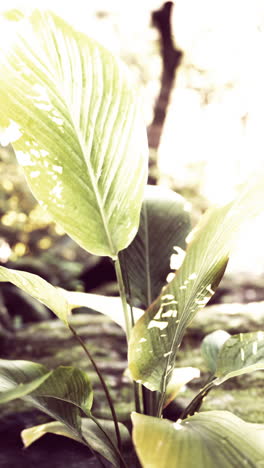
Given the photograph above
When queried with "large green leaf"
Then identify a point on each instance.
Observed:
(39, 289)
(239, 355)
(91, 433)
(211, 346)
(63, 393)
(164, 226)
(158, 333)
(211, 439)
(83, 145)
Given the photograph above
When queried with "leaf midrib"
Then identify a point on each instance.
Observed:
(90, 173)
(97, 194)
(184, 320)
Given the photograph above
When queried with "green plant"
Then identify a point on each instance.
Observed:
(82, 145)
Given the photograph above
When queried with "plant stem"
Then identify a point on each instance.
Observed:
(149, 401)
(97, 456)
(161, 404)
(137, 391)
(107, 394)
(195, 404)
(122, 292)
(138, 395)
(129, 322)
(117, 451)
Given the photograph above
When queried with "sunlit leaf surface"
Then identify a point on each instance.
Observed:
(211, 346)
(211, 439)
(61, 395)
(82, 142)
(32, 434)
(239, 355)
(161, 238)
(158, 333)
(39, 289)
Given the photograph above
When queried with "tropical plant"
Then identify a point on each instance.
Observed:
(82, 145)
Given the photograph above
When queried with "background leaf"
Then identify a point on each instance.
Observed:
(39, 289)
(164, 224)
(211, 346)
(107, 305)
(180, 377)
(158, 333)
(83, 145)
(215, 438)
(64, 392)
(239, 355)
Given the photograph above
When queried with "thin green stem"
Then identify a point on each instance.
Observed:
(138, 395)
(116, 450)
(98, 372)
(162, 397)
(129, 322)
(127, 285)
(161, 404)
(122, 292)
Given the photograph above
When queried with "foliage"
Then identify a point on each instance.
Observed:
(82, 145)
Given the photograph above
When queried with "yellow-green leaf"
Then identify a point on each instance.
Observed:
(82, 143)
(40, 289)
(62, 394)
(206, 440)
(211, 346)
(91, 434)
(240, 354)
(158, 333)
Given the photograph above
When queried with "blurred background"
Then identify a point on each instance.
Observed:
(199, 68)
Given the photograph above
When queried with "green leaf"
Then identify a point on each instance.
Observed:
(63, 393)
(83, 145)
(157, 335)
(18, 378)
(90, 433)
(240, 354)
(164, 226)
(205, 440)
(107, 305)
(211, 346)
(40, 289)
